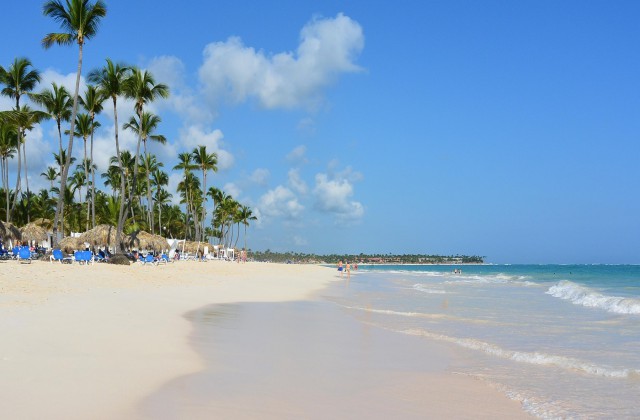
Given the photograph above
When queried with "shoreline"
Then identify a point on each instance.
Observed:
(95, 341)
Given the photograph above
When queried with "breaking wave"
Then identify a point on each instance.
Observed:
(582, 295)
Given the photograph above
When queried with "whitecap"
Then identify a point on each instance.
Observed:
(582, 295)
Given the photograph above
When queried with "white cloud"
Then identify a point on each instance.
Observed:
(194, 136)
(297, 155)
(328, 47)
(67, 80)
(104, 145)
(296, 182)
(171, 71)
(175, 177)
(260, 176)
(334, 196)
(280, 202)
(232, 189)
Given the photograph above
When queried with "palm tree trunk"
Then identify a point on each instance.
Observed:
(5, 184)
(149, 201)
(63, 176)
(26, 178)
(93, 182)
(18, 185)
(121, 211)
(86, 178)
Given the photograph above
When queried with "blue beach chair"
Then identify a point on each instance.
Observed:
(24, 255)
(56, 255)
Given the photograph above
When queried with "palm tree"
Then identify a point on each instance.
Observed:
(186, 164)
(8, 147)
(142, 88)
(26, 119)
(58, 104)
(110, 80)
(80, 20)
(51, 174)
(84, 128)
(92, 103)
(144, 126)
(18, 80)
(246, 215)
(206, 162)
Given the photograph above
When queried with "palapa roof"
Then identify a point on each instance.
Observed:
(70, 244)
(33, 232)
(194, 246)
(9, 231)
(101, 235)
(146, 240)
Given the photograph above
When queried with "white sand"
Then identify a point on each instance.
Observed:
(81, 342)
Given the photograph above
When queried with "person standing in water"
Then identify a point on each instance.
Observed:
(348, 270)
(340, 268)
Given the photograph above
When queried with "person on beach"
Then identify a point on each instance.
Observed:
(348, 270)
(340, 268)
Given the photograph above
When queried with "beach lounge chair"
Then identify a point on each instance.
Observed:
(14, 252)
(56, 255)
(83, 257)
(88, 257)
(164, 259)
(148, 259)
(24, 255)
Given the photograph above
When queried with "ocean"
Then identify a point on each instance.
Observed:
(564, 340)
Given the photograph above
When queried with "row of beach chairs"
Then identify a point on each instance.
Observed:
(80, 257)
(149, 259)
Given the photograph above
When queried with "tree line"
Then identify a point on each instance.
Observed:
(305, 258)
(138, 198)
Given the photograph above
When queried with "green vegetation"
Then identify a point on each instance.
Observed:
(300, 258)
(136, 196)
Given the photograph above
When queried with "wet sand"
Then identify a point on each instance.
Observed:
(311, 360)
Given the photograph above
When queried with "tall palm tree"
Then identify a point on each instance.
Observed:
(92, 103)
(18, 80)
(206, 162)
(84, 128)
(57, 102)
(110, 80)
(186, 164)
(162, 198)
(145, 126)
(80, 20)
(8, 147)
(141, 86)
(26, 119)
(245, 216)
(51, 174)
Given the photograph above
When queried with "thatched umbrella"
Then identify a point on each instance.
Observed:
(145, 240)
(33, 232)
(70, 244)
(9, 232)
(45, 223)
(101, 235)
(193, 246)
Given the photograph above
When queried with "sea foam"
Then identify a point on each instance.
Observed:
(582, 295)
(533, 358)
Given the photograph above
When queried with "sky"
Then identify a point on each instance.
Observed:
(496, 128)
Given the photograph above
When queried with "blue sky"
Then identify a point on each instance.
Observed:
(496, 128)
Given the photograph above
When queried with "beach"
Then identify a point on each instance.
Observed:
(117, 342)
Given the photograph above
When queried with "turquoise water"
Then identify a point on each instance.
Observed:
(564, 340)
